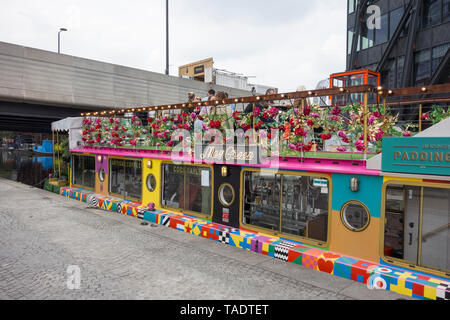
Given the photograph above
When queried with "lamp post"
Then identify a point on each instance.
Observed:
(167, 37)
(59, 38)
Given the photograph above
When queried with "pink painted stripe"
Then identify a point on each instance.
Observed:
(285, 163)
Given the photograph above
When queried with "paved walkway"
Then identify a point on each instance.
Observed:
(42, 234)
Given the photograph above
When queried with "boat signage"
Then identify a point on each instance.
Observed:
(228, 154)
(417, 155)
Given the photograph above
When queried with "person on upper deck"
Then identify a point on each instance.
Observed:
(224, 111)
(262, 106)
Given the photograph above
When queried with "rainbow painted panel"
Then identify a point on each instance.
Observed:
(415, 285)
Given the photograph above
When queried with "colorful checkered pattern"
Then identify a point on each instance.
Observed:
(417, 285)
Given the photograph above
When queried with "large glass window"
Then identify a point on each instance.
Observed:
(83, 171)
(367, 36)
(394, 19)
(351, 6)
(445, 10)
(422, 67)
(381, 35)
(187, 188)
(289, 204)
(126, 178)
(431, 13)
(417, 226)
(350, 40)
(389, 73)
(400, 67)
(438, 54)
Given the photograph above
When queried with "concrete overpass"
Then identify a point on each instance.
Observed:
(38, 87)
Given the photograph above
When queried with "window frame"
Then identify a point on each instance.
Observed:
(183, 211)
(73, 168)
(343, 220)
(221, 187)
(412, 265)
(110, 177)
(306, 240)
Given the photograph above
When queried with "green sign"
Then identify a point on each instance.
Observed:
(417, 155)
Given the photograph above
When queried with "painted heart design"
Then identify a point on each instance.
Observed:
(325, 265)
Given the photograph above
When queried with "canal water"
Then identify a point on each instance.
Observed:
(24, 167)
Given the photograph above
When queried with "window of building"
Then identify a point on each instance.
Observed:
(367, 36)
(83, 174)
(187, 188)
(400, 67)
(417, 226)
(445, 10)
(126, 178)
(438, 54)
(422, 67)
(382, 34)
(350, 40)
(431, 13)
(351, 6)
(289, 204)
(394, 19)
(389, 73)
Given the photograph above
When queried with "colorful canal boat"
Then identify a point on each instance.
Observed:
(341, 190)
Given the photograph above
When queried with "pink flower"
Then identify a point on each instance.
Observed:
(379, 134)
(273, 111)
(377, 114)
(371, 120)
(342, 134)
(170, 144)
(256, 112)
(336, 111)
(341, 149)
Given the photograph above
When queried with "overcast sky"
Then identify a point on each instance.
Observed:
(283, 43)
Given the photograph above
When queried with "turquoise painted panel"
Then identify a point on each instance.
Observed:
(417, 155)
(369, 192)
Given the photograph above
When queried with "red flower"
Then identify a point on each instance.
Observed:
(215, 124)
(325, 136)
(300, 132)
(307, 111)
(310, 123)
(236, 115)
(149, 120)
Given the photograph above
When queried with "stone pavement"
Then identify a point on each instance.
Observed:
(42, 234)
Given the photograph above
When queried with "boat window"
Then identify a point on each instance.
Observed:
(355, 216)
(187, 188)
(290, 204)
(126, 178)
(226, 195)
(83, 171)
(417, 226)
(101, 174)
(151, 182)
